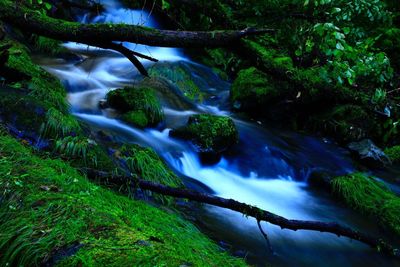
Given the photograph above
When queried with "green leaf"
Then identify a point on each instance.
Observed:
(339, 46)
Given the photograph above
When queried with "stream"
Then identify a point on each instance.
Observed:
(268, 168)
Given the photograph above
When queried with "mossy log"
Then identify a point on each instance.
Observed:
(34, 22)
(94, 34)
(248, 210)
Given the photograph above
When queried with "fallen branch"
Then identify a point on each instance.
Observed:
(248, 210)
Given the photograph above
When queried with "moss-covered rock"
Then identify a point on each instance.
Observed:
(393, 153)
(51, 215)
(370, 197)
(209, 133)
(346, 123)
(179, 75)
(138, 105)
(252, 90)
(137, 118)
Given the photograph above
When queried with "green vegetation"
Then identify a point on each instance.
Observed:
(179, 75)
(47, 45)
(370, 197)
(147, 165)
(138, 105)
(210, 133)
(253, 90)
(393, 153)
(47, 209)
(323, 55)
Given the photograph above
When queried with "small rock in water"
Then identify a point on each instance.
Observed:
(240, 253)
(103, 104)
(369, 153)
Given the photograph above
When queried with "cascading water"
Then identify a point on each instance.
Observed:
(267, 169)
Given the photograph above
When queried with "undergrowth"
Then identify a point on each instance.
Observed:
(50, 214)
(370, 197)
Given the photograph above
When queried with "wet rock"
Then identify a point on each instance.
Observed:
(240, 253)
(368, 153)
(143, 243)
(320, 179)
(210, 134)
(179, 74)
(103, 104)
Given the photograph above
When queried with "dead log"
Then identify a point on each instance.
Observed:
(248, 210)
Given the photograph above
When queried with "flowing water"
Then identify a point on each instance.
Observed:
(268, 168)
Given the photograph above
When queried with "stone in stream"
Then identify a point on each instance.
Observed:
(137, 105)
(368, 153)
(210, 134)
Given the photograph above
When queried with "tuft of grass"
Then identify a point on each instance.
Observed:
(370, 197)
(50, 214)
(59, 124)
(145, 163)
(73, 147)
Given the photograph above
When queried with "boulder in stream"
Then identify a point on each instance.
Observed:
(210, 134)
(368, 153)
(137, 105)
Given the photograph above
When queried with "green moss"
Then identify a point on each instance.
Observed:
(47, 209)
(136, 102)
(252, 89)
(40, 83)
(137, 118)
(13, 110)
(393, 153)
(179, 75)
(209, 133)
(370, 197)
(48, 46)
(284, 61)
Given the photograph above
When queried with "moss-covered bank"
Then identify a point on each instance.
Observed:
(50, 214)
(363, 193)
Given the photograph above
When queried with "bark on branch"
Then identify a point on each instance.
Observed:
(248, 210)
(37, 23)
